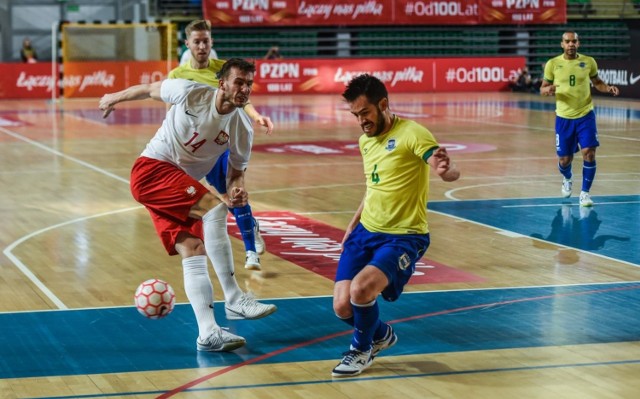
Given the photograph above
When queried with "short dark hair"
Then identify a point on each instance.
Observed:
(243, 65)
(366, 84)
(197, 26)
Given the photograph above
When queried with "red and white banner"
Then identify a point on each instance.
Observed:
(291, 76)
(93, 79)
(239, 13)
(400, 75)
(81, 79)
(26, 80)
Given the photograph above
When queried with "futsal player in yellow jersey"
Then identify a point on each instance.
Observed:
(203, 69)
(389, 232)
(567, 76)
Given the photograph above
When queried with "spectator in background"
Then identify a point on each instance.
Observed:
(522, 82)
(537, 81)
(27, 52)
(273, 54)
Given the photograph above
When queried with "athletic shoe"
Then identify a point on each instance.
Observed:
(220, 340)
(261, 247)
(248, 308)
(585, 199)
(252, 261)
(389, 339)
(567, 185)
(353, 363)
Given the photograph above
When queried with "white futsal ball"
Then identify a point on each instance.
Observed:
(154, 298)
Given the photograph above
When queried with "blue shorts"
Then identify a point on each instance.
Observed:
(571, 132)
(394, 254)
(217, 177)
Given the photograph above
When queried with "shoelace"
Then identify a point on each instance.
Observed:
(350, 356)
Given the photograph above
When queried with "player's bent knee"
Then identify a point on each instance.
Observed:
(342, 310)
(361, 293)
(188, 246)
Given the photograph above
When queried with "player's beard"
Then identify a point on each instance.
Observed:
(236, 100)
(379, 123)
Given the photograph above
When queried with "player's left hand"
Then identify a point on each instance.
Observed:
(238, 197)
(446, 169)
(442, 160)
(614, 90)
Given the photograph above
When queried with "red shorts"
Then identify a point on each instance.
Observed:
(168, 193)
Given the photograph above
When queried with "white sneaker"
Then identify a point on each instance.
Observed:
(220, 340)
(353, 363)
(567, 185)
(248, 308)
(261, 247)
(252, 261)
(585, 199)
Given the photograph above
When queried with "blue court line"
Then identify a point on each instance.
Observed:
(610, 228)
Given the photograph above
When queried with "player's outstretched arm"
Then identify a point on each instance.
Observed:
(441, 163)
(137, 92)
(264, 121)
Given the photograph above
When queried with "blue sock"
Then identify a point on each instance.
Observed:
(566, 171)
(244, 220)
(381, 331)
(366, 320)
(588, 175)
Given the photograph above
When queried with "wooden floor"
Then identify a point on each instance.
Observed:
(73, 238)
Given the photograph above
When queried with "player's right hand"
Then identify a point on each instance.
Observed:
(106, 105)
(551, 90)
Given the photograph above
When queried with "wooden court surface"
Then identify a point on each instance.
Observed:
(73, 237)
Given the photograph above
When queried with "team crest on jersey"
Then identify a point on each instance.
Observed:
(391, 145)
(191, 191)
(404, 261)
(582, 65)
(222, 138)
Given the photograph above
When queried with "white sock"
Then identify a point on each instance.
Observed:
(199, 289)
(218, 246)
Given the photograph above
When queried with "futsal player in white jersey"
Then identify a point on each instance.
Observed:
(190, 220)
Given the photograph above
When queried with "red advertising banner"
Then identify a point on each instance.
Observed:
(81, 79)
(239, 13)
(26, 80)
(521, 12)
(475, 74)
(402, 75)
(291, 76)
(93, 79)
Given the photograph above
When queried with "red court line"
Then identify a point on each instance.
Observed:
(225, 370)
